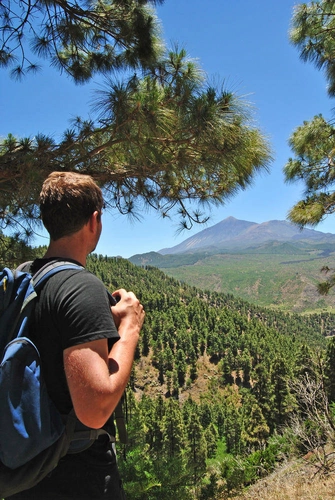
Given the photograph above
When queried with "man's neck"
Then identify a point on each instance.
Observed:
(65, 249)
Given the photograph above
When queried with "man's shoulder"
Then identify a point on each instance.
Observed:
(65, 279)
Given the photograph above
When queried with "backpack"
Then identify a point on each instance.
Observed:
(34, 436)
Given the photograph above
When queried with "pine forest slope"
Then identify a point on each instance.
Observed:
(179, 316)
(210, 393)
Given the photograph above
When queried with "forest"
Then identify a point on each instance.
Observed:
(222, 390)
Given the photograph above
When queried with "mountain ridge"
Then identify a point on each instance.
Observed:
(233, 233)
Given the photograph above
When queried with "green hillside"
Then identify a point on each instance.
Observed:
(277, 275)
(211, 399)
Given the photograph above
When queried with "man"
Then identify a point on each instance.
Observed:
(87, 347)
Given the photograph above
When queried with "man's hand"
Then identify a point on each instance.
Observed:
(128, 313)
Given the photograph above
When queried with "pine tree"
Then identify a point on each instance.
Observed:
(329, 371)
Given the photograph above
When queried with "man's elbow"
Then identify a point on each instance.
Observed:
(93, 417)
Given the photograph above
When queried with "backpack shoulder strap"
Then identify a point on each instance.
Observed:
(42, 275)
(24, 267)
(51, 268)
(47, 270)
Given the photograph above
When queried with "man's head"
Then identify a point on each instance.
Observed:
(67, 201)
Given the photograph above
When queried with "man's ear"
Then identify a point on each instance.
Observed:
(94, 219)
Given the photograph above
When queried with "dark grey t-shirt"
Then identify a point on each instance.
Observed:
(72, 309)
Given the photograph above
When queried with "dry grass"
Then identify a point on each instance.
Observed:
(293, 481)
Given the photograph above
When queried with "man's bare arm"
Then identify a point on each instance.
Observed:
(96, 377)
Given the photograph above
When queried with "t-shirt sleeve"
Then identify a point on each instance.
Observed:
(83, 312)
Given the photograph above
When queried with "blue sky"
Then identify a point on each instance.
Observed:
(243, 42)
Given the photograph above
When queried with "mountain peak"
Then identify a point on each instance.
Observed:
(230, 218)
